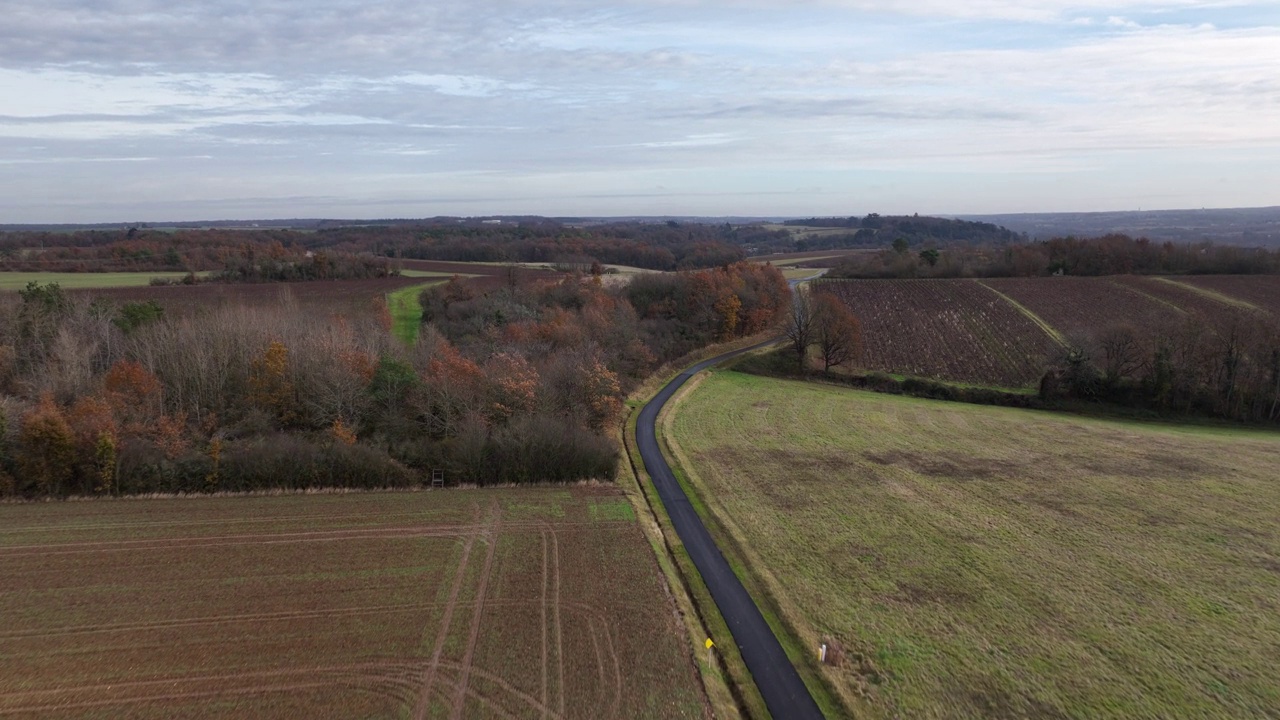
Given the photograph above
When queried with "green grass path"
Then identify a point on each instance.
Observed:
(406, 313)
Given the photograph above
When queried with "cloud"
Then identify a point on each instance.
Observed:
(334, 98)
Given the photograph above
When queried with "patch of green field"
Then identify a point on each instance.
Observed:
(71, 281)
(428, 274)
(406, 313)
(791, 273)
(991, 562)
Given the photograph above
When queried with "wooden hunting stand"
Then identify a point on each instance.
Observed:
(437, 478)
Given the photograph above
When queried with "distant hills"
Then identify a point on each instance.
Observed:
(1228, 226)
(1239, 226)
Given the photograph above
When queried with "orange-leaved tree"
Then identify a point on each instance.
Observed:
(270, 388)
(46, 449)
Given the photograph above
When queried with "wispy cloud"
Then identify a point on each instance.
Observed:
(408, 105)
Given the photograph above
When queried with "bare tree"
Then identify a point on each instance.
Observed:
(837, 331)
(1121, 352)
(800, 324)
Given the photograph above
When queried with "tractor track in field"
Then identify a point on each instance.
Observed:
(555, 606)
(429, 676)
(473, 639)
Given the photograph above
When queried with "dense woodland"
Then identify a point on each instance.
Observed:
(1106, 255)
(519, 384)
(655, 246)
(880, 230)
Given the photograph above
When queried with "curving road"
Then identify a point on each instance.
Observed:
(784, 692)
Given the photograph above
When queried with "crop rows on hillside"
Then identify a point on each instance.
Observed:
(1176, 295)
(1007, 331)
(946, 329)
(1080, 307)
(1261, 291)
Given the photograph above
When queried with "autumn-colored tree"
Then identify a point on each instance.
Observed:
(603, 395)
(727, 307)
(270, 387)
(133, 393)
(93, 425)
(106, 463)
(837, 332)
(214, 476)
(46, 449)
(169, 433)
(513, 386)
(455, 387)
(342, 433)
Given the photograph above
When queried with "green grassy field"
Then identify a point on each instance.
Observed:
(990, 562)
(70, 281)
(406, 313)
(500, 603)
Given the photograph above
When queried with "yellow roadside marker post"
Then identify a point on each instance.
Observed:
(709, 645)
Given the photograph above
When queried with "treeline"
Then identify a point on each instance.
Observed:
(1107, 255)
(522, 384)
(656, 246)
(877, 231)
(653, 246)
(1230, 370)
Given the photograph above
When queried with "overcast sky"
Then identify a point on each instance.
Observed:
(118, 110)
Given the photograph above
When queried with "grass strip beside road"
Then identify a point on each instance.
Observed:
(727, 682)
(801, 647)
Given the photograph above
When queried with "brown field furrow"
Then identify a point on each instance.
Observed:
(617, 671)
(216, 620)
(543, 616)
(233, 540)
(335, 670)
(197, 523)
(411, 672)
(442, 530)
(514, 691)
(595, 646)
(420, 709)
(81, 705)
(555, 600)
(337, 614)
(473, 638)
(486, 702)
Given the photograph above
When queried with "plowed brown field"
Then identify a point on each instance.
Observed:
(1262, 291)
(484, 603)
(1007, 331)
(951, 329)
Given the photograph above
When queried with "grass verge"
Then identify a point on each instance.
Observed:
(800, 645)
(730, 689)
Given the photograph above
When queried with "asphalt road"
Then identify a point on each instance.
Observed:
(784, 692)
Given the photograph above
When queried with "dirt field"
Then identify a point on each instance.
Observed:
(68, 281)
(526, 603)
(991, 562)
